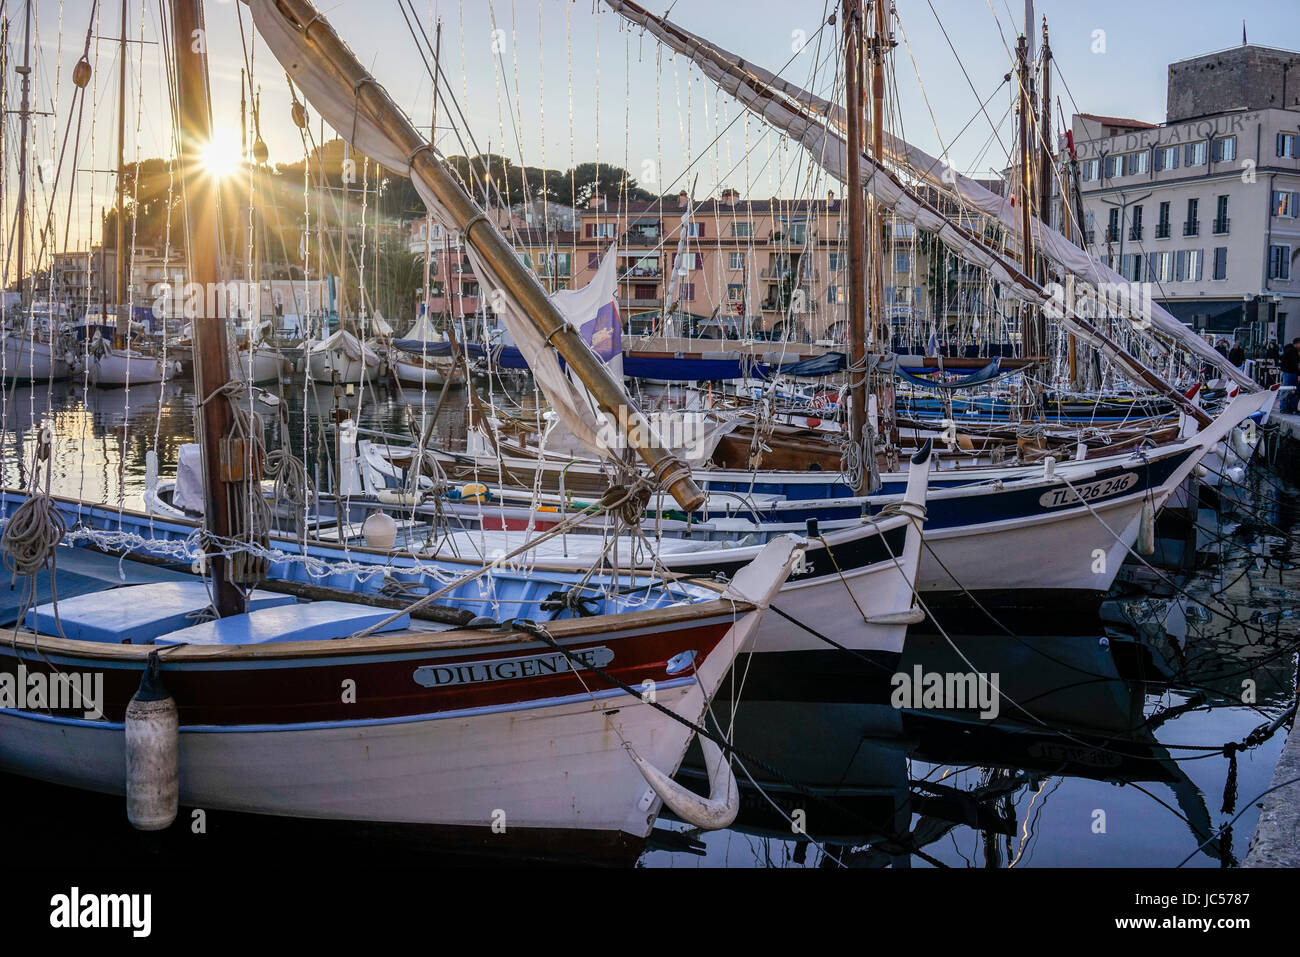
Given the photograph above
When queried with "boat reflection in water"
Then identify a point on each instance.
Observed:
(1074, 769)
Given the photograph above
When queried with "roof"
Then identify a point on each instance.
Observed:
(1119, 121)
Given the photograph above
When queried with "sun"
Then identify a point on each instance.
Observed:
(221, 155)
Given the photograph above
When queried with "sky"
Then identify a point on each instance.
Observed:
(554, 82)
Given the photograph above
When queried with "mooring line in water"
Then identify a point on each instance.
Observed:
(1226, 612)
(1228, 827)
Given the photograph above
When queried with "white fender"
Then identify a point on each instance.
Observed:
(1243, 440)
(1146, 541)
(716, 811)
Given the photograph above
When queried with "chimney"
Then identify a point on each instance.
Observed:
(682, 199)
(596, 201)
(730, 197)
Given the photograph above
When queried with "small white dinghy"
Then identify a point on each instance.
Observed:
(342, 358)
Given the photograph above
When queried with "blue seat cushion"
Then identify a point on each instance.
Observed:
(135, 614)
(309, 621)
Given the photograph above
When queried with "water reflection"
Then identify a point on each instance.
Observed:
(1106, 749)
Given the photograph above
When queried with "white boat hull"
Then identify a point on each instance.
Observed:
(335, 365)
(28, 360)
(118, 367)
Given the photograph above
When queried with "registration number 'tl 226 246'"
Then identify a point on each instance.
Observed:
(1102, 488)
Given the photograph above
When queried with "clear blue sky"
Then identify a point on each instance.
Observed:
(617, 115)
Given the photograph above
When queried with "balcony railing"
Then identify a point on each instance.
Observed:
(1089, 237)
(641, 274)
(1135, 233)
(1112, 234)
(1192, 228)
(1162, 230)
(1221, 226)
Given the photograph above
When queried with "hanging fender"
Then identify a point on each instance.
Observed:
(1243, 439)
(716, 811)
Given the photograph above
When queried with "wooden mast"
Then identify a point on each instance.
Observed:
(853, 102)
(211, 356)
(433, 133)
(1028, 346)
(520, 285)
(24, 115)
(880, 45)
(119, 285)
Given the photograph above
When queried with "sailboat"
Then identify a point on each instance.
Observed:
(490, 729)
(343, 358)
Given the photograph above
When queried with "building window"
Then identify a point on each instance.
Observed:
(1163, 267)
(1132, 264)
(1162, 222)
(686, 262)
(1225, 149)
(1194, 154)
(593, 260)
(735, 292)
(1090, 169)
(1114, 166)
(837, 262)
(1187, 265)
(735, 260)
(1279, 262)
(834, 294)
(1220, 263)
(1137, 163)
(1288, 144)
(695, 230)
(742, 230)
(1192, 226)
(1285, 202)
(1135, 231)
(688, 291)
(1112, 226)
(904, 230)
(1221, 217)
(1166, 158)
(903, 262)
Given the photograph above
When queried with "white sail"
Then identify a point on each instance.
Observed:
(749, 84)
(342, 109)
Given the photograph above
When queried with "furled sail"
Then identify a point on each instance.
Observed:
(344, 111)
(819, 124)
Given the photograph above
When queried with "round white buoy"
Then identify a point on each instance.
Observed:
(379, 530)
(1146, 543)
(152, 754)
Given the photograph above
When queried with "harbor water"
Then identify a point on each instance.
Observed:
(1107, 748)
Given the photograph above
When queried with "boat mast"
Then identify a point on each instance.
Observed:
(24, 115)
(520, 285)
(223, 459)
(853, 102)
(881, 44)
(1028, 345)
(120, 283)
(433, 133)
(1047, 165)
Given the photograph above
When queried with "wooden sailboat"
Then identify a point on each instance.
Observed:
(507, 734)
